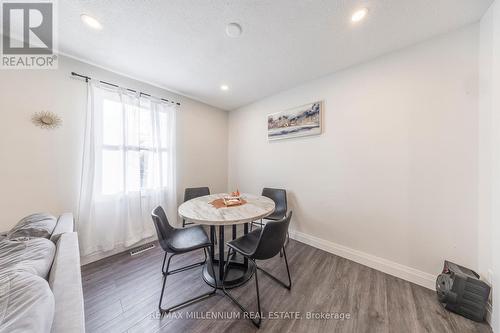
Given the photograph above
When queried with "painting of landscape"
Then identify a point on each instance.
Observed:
(300, 121)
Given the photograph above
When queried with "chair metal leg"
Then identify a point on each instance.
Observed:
(287, 286)
(175, 271)
(185, 268)
(163, 265)
(201, 263)
(259, 312)
(287, 240)
(165, 274)
(228, 294)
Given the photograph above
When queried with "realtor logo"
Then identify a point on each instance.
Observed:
(28, 35)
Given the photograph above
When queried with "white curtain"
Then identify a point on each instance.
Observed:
(128, 168)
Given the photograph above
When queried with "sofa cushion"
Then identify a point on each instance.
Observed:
(26, 303)
(34, 256)
(66, 284)
(32, 226)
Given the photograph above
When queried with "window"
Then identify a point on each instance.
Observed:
(134, 147)
(128, 167)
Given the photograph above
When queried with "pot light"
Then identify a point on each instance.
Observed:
(224, 87)
(233, 30)
(359, 15)
(91, 22)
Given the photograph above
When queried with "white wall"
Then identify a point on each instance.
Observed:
(489, 153)
(392, 181)
(40, 169)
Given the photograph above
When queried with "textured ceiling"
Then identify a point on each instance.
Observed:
(181, 44)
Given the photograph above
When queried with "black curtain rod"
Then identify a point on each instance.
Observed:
(87, 78)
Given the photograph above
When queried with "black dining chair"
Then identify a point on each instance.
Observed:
(281, 207)
(179, 241)
(260, 244)
(191, 193)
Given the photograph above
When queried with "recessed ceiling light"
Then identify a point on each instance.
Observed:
(224, 87)
(233, 30)
(91, 22)
(359, 15)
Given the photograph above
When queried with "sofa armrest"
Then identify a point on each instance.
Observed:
(65, 223)
(65, 280)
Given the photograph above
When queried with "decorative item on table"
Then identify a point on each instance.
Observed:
(230, 200)
(233, 199)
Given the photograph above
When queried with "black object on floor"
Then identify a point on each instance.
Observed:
(461, 291)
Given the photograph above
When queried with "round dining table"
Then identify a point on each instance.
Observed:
(201, 211)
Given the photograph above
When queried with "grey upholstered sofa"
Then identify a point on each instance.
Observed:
(40, 278)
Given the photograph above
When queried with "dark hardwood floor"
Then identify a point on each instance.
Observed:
(122, 292)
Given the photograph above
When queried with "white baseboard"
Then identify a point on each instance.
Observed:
(401, 271)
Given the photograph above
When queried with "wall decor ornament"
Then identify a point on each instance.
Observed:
(46, 120)
(300, 121)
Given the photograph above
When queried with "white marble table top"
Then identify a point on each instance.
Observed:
(200, 211)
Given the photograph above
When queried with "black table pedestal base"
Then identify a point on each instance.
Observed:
(239, 273)
(240, 269)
